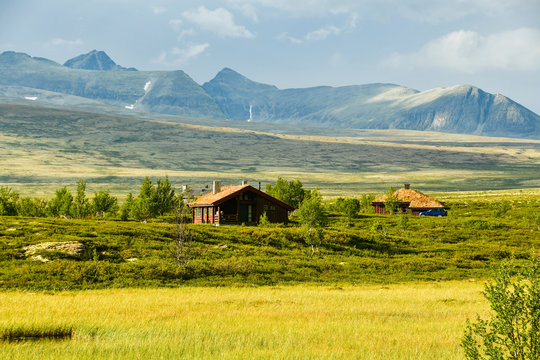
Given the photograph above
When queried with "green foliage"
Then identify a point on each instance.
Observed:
(391, 204)
(164, 197)
(465, 245)
(34, 207)
(8, 201)
(290, 192)
(365, 203)
(60, 204)
(311, 212)
(81, 207)
(127, 207)
(263, 220)
(513, 331)
(502, 208)
(103, 203)
(403, 222)
(349, 207)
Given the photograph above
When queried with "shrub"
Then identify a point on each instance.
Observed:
(513, 332)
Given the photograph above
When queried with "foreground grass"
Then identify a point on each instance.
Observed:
(407, 321)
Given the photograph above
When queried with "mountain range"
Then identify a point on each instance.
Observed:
(93, 79)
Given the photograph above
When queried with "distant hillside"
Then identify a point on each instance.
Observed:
(458, 109)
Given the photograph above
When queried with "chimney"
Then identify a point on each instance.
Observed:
(216, 187)
(407, 186)
(244, 182)
(259, 186)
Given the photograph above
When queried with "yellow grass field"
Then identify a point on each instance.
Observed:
(405, 321)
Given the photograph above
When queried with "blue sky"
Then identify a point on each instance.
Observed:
(422, 44)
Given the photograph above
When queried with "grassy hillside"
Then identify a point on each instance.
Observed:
(474, 238)
(42, 149)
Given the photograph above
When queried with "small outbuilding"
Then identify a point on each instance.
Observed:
(411, 201)
(237, 205)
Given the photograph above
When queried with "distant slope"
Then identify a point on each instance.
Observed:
(169, 92)
(43, 148)
(458, 109)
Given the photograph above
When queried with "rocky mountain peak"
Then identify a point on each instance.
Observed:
(94, 60)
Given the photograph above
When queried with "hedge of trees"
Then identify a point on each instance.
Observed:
(153, 200)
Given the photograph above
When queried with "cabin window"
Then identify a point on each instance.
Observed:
(250, 213)
(198, 212)
(265, 207)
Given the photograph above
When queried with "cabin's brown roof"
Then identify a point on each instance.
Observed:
(229, 192)
(414, 197)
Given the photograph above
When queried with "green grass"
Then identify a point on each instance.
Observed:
(473, 239)
(42, 149)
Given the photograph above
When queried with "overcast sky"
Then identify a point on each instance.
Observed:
(422, 44)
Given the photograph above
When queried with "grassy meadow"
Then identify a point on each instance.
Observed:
(379, 288)
(42, 149)
(407, 321)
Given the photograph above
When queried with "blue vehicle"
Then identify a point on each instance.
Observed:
(434, 212)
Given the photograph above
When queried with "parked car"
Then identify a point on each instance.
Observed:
(434, 212)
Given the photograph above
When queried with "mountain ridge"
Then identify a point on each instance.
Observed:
(231, 95)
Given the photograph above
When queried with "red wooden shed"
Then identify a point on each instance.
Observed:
(236, 205)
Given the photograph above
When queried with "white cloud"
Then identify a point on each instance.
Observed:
(323, 33)
(175, 24)
(469, 51)
(219, 21)
(184, 33)
(286, 36)
(63, 42)
(179, 56)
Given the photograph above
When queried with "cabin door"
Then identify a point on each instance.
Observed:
(246, 213)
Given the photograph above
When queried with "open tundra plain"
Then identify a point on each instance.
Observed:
(42, 149)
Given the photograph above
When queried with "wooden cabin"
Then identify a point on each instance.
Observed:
(241, 204)
(411, 201)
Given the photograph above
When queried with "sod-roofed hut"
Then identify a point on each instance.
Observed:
(236, 205)
(411, 201)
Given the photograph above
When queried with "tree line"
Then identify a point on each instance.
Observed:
(160, 198)
(152, 200)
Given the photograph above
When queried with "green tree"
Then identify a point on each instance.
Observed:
(365, 203)
(164, 197)
(349, 207)
(104, 204)
(81, 206)
(391, 204)
(125, 211)
(312, 215)
(513, 332)
(144, 206)
(290, 192)
(60, 204)
(8, 201)
(32, 207)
